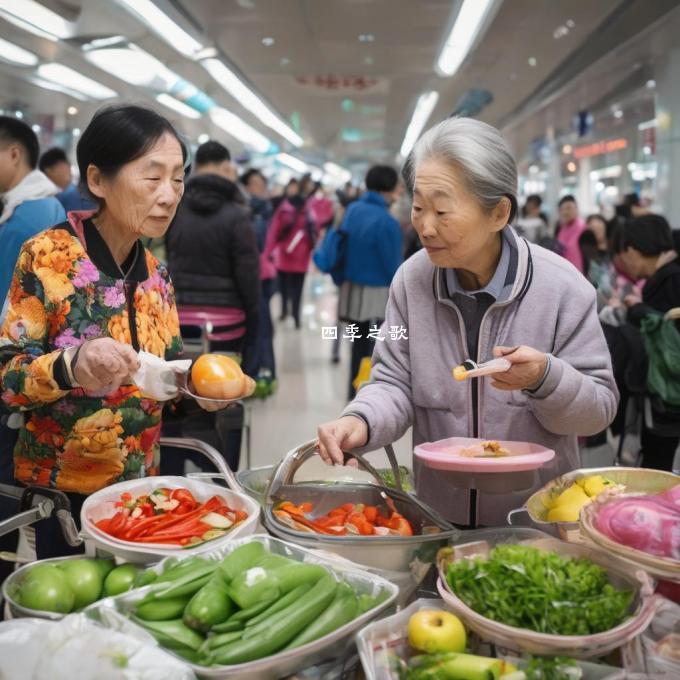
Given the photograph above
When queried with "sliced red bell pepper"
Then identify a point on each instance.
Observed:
(401, 525)
(183, 508)
(310, 523)
(361, 523)
(103, 525)
(183, 496)
(240, 515)
(174, 538)
(371, 513)
(118, 523)
(145, 525)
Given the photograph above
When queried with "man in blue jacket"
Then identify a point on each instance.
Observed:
(372, 256)
(29, 205)
(55, 164)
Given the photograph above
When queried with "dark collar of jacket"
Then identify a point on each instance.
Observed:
(374, 198)
(97, 250)
(260, 206)
(208, 193)
(659, 279)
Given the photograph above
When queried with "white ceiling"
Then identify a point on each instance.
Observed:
(317, 62)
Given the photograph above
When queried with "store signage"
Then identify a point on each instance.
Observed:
(600, 148)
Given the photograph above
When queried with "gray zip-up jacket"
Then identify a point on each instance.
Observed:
(550, 307)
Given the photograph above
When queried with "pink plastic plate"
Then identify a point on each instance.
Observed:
(445, 455)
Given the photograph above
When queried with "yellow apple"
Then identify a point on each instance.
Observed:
(432, 631)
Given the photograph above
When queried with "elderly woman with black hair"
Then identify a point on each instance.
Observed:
(85, 298)
(477, 290)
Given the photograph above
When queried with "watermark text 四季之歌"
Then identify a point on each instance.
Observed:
(351, 332)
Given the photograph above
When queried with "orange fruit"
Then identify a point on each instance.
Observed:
(216, 376)
(250, 386)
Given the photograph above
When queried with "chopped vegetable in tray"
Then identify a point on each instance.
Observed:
(530, 588)
(171, 516)
(350, 518)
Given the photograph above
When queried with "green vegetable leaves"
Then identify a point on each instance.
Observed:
(529, 588)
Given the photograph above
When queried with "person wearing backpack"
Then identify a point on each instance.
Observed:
(372, 255)
(290, 242)
(645, 248)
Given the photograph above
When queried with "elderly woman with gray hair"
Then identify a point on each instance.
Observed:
(477, 290)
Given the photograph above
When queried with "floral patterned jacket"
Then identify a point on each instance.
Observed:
(68, 289)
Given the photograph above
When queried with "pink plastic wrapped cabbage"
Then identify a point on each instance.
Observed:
(647, 523)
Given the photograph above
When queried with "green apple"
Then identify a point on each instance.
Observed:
(85, 579)
(434, 631)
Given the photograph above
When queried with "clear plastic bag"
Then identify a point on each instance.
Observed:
(157, 378)
(383, 643)
(77, 647)
(644, 654)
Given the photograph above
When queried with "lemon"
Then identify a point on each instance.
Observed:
(594, 485)
(567, 512)
(508, 668)
(573, 495)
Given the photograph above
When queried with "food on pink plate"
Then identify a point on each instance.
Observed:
(647, 523)
(487, 449)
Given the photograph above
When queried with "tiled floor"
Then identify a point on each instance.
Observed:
(312, 390)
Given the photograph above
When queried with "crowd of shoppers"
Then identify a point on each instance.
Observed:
(631, 261)
(81, 293)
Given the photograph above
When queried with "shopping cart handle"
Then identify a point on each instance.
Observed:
(53, 502)
(69, 528)
(33, 495)
(211, 453)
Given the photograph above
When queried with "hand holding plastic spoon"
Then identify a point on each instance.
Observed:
(514, 368)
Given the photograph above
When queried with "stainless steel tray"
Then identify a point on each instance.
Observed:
(256, 480)
(113, 612)
(391, 553)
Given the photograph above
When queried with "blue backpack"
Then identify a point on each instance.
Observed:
(329, 257)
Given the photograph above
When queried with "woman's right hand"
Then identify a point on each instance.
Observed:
(343, 434)
(104, 364)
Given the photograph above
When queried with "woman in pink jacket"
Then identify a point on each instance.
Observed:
(569, 231)
(290, 242)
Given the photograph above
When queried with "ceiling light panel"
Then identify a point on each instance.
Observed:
(239, 129)
(177, 106)
(163, 26)
(424, 107)
(71, 79)
(36, 18)
(465, 31)
(249, 100)
(16, 55)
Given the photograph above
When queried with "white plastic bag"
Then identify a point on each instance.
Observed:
(157, 378)
(77, 647)
(642, 654)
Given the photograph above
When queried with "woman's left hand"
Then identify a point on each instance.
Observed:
(527, 370)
